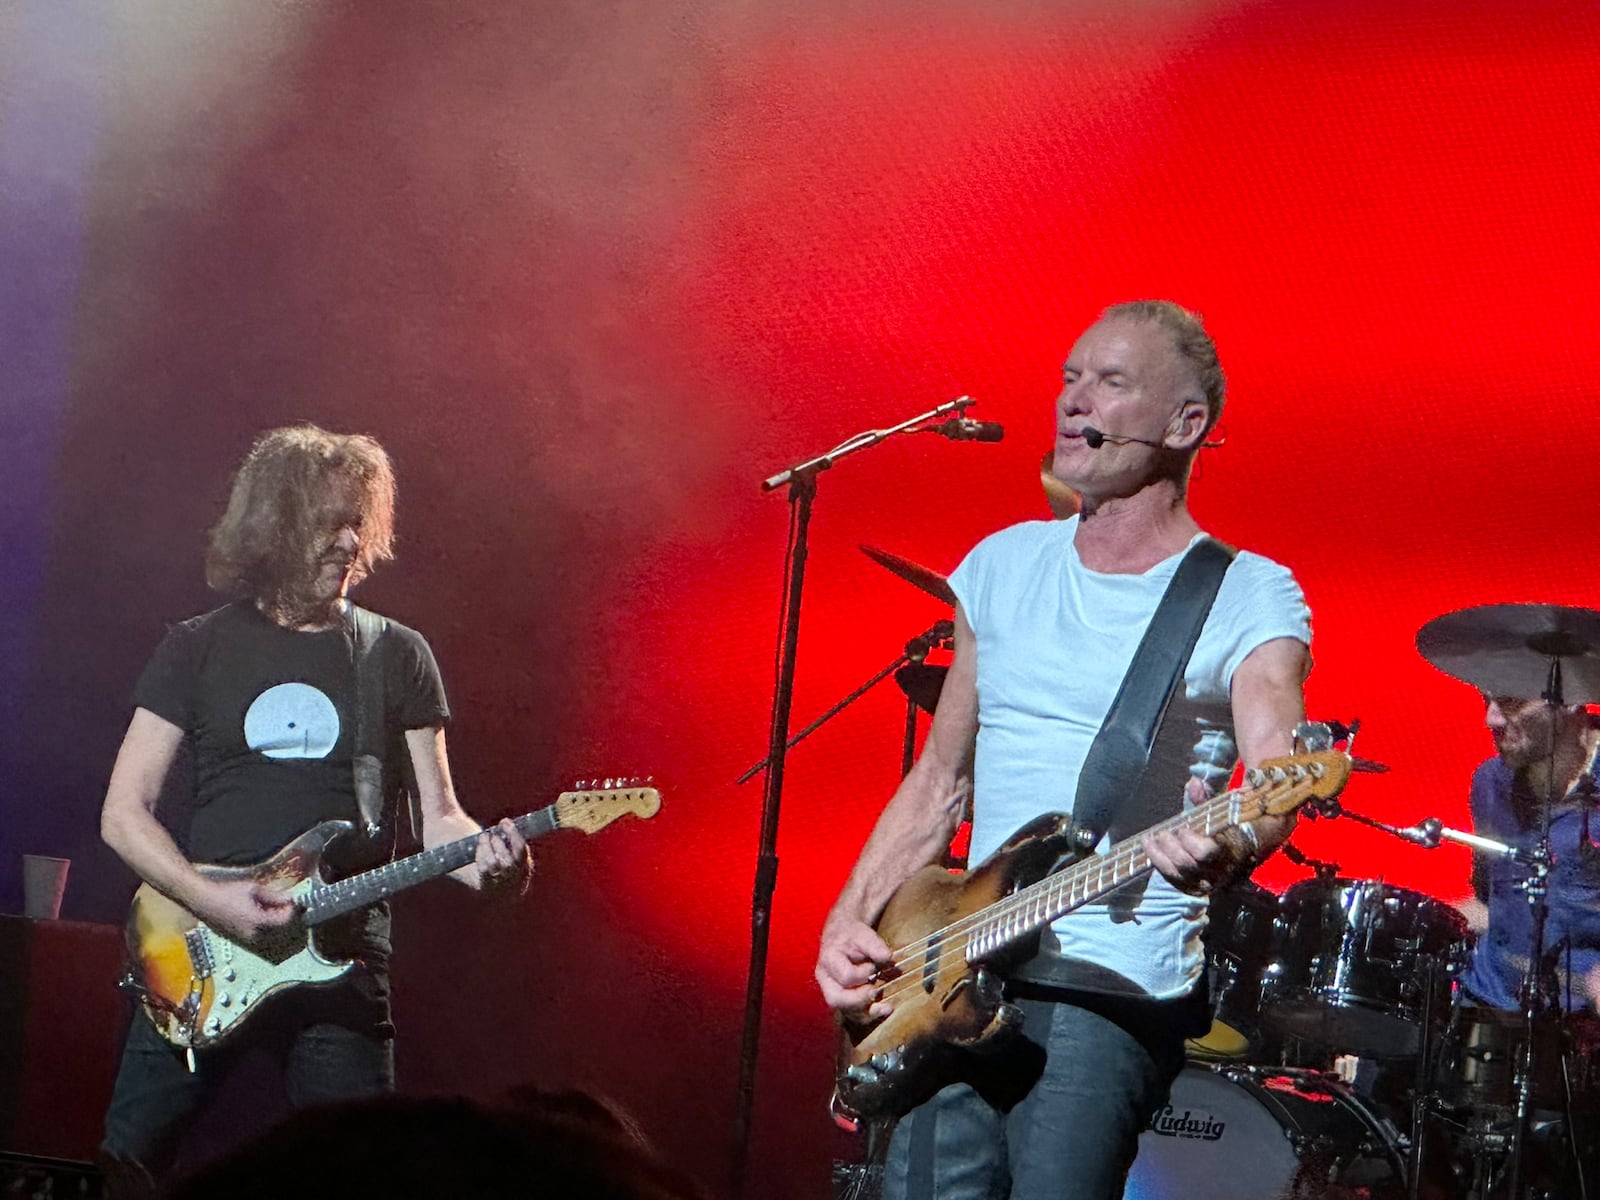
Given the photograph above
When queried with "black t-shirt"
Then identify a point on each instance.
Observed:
(270, 717)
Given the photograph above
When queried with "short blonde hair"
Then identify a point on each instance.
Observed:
(1189, 338)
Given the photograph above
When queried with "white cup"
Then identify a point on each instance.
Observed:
(44, 879)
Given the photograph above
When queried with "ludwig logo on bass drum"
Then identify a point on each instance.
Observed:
(1202, 1127)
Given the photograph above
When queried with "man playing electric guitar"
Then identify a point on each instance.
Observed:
(1048, 619)
(267, 696)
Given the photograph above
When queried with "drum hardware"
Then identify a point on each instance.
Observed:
(1322, 868)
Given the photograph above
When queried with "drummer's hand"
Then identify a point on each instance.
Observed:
(1190, 861)
(1591, 987)
(1476, 912)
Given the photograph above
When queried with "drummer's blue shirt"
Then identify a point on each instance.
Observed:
(1494, 977)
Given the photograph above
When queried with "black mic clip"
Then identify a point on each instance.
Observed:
(939, 637)
(965, 429)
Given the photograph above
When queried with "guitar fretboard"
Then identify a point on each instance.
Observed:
(330, 900)
(1030, 909)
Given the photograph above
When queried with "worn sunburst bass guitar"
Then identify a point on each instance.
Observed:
(954, 935)
(197, 985)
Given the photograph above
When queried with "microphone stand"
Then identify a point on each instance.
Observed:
(801, 480)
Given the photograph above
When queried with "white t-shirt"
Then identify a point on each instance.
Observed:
(1053, 641)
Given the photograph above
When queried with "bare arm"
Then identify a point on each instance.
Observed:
(503, 861)
(129, 826)
(913, 829)
(1268, 702)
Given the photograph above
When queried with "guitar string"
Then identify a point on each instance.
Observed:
(1091, 873)
(1230, 803)
(1124, 856)
(337, 893)
(395, 871)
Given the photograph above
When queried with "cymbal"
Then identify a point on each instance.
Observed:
(1507, 649)
(1064, 502)
(922, 683)
(926, 578)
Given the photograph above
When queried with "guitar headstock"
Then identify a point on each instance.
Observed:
(592, 806)
(1281, 785)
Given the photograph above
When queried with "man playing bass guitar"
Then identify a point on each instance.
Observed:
(266, 696)
(1048, 619)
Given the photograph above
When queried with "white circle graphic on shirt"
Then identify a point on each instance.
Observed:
(292, 720)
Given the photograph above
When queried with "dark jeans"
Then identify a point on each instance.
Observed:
(1054, 1116)
(332, 1043)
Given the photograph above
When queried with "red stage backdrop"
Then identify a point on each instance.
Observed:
(594, 271)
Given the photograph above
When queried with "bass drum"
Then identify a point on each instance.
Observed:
(1264, 1133)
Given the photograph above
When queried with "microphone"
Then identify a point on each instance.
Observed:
(1096, 439)
(1429, 834)
(965, 429)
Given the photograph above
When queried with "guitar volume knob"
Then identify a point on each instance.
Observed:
(224, 999)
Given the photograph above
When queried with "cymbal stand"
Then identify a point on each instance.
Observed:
(938, 634)
(801, 482)
(1537, 888)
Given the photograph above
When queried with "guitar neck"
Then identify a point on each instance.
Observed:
(330, 900)
(1029, 910)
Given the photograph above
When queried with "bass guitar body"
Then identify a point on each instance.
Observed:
(953, 936)
(196, 984)
(944, 1003)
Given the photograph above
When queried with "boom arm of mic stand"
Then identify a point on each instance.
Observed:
(1432, 832)
(861, 441)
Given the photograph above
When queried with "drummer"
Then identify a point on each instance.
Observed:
(1508, 794)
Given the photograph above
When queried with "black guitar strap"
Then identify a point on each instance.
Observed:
(376, 785)
(1118, 757)
(1120, 754)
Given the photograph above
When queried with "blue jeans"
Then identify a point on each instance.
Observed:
(332, 1043)
(1056, 1115)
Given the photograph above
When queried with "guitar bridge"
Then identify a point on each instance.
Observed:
(199, 952)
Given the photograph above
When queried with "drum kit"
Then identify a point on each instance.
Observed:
(1343, 1058)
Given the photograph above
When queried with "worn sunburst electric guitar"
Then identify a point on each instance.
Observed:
(954, 935)
(198, 985)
